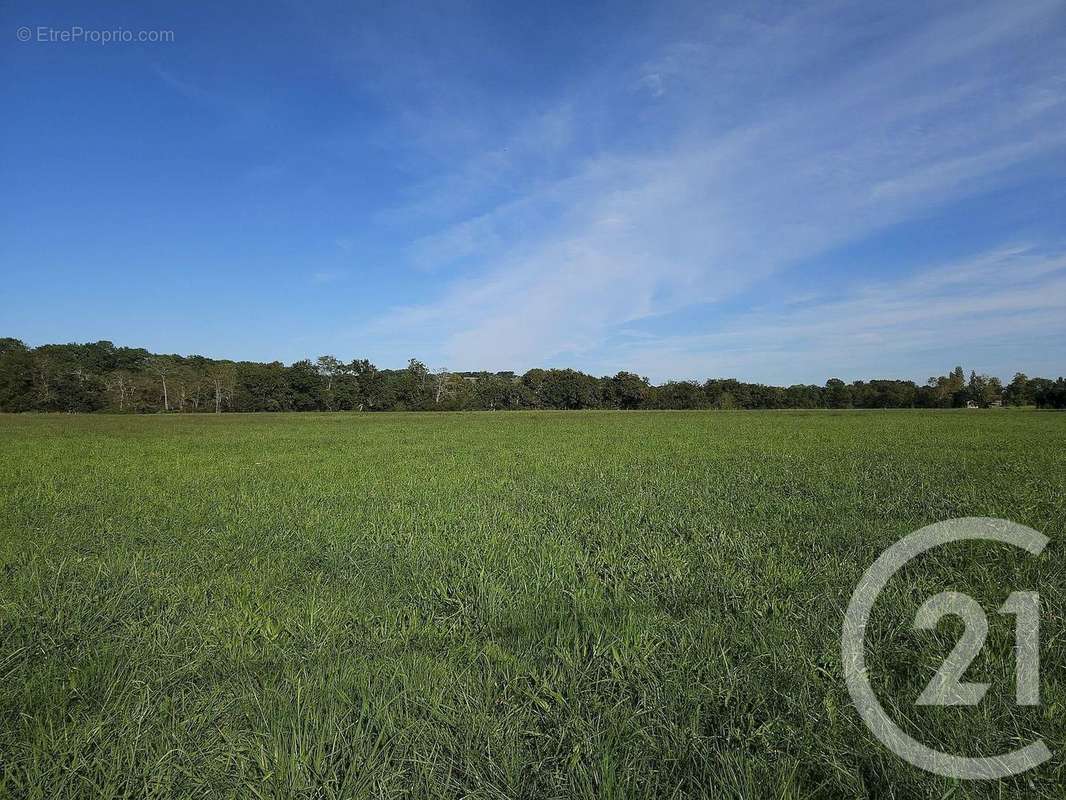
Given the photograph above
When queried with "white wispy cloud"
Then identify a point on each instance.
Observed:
(741, 179)
(981, 305)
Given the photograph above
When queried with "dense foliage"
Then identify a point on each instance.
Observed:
(102, 377)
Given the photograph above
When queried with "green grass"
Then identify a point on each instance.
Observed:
(511, 605)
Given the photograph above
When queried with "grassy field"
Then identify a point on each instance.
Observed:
(510, 605)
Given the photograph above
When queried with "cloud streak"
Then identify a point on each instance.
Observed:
(980, 305)
(736, 179)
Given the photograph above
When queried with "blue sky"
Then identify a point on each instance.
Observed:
(779, 192)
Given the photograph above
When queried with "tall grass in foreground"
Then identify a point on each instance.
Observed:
(524, 605)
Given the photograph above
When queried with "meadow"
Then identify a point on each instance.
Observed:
(506, 605)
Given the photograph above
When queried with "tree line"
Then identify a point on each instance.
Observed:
(99, 376)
